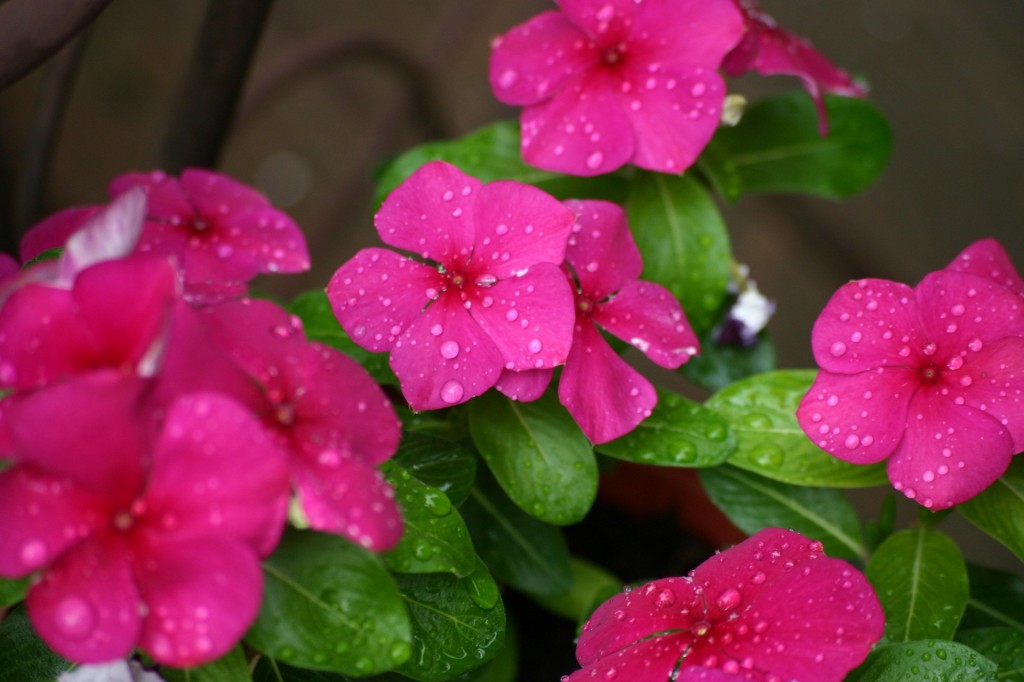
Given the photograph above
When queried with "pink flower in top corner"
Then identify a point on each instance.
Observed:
(930, 378)
(497, 298)
(771, 51)
(606, 396)
(326, 411)
(603, 83)
(773, 607)
(223, 232)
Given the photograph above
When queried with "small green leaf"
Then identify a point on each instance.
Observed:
(330, 605)
(1003, 646)
(435, 538)
(753, 503)
(683, 240)
(999, 509)
(23, 656)
(920, 577)
(12, 591)
(719, 364)
(761, 410)
(997, 599)
(538, 455)
(592, 585)
(925, 661)
(451, 632)
(231, 667)
(679, 432)
(449, 467)
(777, 148)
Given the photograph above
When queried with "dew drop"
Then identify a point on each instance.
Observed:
(75, 617)
(437, 330)
(535, 346)
(33, 553)
(595, 160)
(838, 349)
(729, 599)
(450, 350)
(452, 392)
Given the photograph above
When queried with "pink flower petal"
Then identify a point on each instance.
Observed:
(537, 57)
(211, 192)
(340, 494)
(525, 386)
(431, 213)
(650, 318)
(529, 318)
(858, 418)
(608, 22)
(109, 234)
(650, 660)
(950, 452)
(43, 516)
(686, 32)
(445, 357)
(988, 258)
(53, 232)
(959, 311)
(378, 293)
(164, 193)
(992, 380)
(601, 249)
(605, 396)
(701, 674)
(86, 607)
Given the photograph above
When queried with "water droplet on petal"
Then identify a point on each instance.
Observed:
(75, 617)
(452, 392)
(450, 350)
(595, 160)
(729, 599)
(535, 346)
(838, 349)
(437, 330)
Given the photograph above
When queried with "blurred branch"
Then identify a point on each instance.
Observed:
(206, 105)
(32, 30)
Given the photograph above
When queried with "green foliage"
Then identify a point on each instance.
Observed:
(925, 661)
(449, 467)
(231, 667)
(12, 591)
(718, 365)
(591, 586)
(997, 599)
(23, 656)
(1003, 646)
(999, 509)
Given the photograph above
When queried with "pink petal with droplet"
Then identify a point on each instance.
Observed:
(674, 33)
(988, 258)
(605, 396)
(525, 386)
(992, 380)
(609, 22)
(651, 660)
(53, 232)
(650, 318)
(378, 293)
(164, 193)
(701, 674)
(86, 607)
(211, 192)
(202, 595)
(959, 309)
(601, 249)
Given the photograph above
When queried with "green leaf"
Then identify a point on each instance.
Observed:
(451, 632)
(12, 591)
(761, 410)
(925, 661)
(520, 550)
(1003, 646)
(720, 364)
(920, 577)
(320, 325)
(753, 502)
(231, 667)
(997, 598)
(504, 667)
(777, 148)
(435, 538)
(592, 585)
(270, 670)
(683, 240)
(330, 605)
(679, 432)
(449, 467)
(999, 509)
(538, 455)
(23, 656)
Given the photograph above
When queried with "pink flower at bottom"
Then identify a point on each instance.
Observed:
(773, 607)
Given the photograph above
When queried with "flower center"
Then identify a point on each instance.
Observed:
(584, 306)
(929, 373)
(199, 224)
(612, 56)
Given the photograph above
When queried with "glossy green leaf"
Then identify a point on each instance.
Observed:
(753, 502)
(12, 591)
(330, 605)
(504, 667)
(520, 550)
(777, 148)
(451, 632)
(231, 667)
(718, 365)
(925, 661)
(1002, 646)
(997, 599)
(761, 410)
(999, 509)
(23, 656)
(679, 432)
(435, 538)
(449, 467)
(592, 585)
(271, 670)
(920, 578)
(683, 240)
(537, 453)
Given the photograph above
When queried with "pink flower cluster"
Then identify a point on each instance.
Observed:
(930, 378)
(603, 83)
(772, 608)
(520, 281)
(154, 445)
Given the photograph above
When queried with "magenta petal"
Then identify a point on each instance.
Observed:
(960, 311)
(86, 607)
(605, 396)
(43, 516)
(211, 192)
(607, 22)
(54, 231)
(110, 234)
(537, 57)
(378, 293)
(525, 386)
(445, 357)
(528, 318)
(345, 496)
(702, 674)
(651, 660)
(201, 597)
(950, 452)
(988, 258)
(431, 213)
(650, 318)
(686, 32)
(858, 418)
(992, 380)
(601, 249)
(164, 193)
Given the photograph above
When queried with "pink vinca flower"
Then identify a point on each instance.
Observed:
(772, 608)
(327, 413)
(606, 396)
(770, 51)
(136, 539)
(497, 298)
(931, 378)
(988, 258)
(609, 82)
